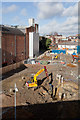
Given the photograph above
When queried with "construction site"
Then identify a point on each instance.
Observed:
(46, 87)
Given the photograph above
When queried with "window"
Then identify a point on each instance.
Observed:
(11, 53)
(12, 44)
(4, 54)
(4, 59)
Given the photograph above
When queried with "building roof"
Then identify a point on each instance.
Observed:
(64, 39)
(68, 43)
(10, 30)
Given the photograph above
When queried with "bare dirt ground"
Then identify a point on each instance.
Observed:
(32, 101)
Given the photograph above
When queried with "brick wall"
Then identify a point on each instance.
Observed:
(20, 45)
(13, 48)
(10, 67)
(8, 45)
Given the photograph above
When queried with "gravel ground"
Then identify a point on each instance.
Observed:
(27, 96)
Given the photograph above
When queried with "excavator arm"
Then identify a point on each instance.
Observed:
(38, 73)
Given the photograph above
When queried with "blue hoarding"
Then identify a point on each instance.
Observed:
(59, 51)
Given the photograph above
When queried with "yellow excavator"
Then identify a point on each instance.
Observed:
(56, 57)
(33, 82)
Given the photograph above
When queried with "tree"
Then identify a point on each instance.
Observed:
(48, 42)
(42, 43)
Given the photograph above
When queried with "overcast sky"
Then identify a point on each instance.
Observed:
(61, 17)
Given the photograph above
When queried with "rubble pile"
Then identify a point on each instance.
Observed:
(71, 65)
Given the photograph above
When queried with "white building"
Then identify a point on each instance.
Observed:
(31, 22)
(33, 40)
(33, 44)
(70, 46)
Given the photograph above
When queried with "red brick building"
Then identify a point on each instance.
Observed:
(12, 45)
